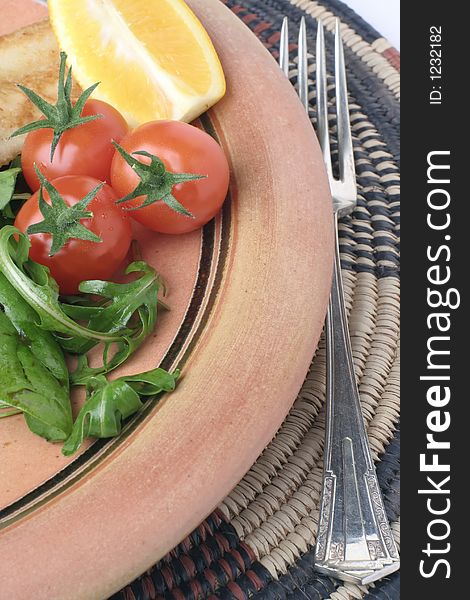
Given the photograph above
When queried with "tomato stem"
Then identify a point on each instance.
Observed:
(62, 222)
(60, 116)
(156, 183)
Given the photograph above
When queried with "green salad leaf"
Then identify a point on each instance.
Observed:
(34, 283)
(36, 328)
(27, 386)
(7, 185)
(110, 402)
(42, 343)
(121, 318)
(129, 308)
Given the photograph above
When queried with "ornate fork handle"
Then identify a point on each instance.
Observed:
(354, 541)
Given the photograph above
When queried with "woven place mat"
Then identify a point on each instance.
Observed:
(259, 543)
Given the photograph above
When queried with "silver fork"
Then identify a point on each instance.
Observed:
(354, 541)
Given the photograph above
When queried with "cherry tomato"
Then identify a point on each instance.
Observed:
(83, 150)
(79, 260)
(182, 148)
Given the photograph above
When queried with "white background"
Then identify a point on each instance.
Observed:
(383, 15)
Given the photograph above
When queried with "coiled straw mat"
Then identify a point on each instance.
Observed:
(260, 541)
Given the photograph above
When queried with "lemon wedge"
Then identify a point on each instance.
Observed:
(153, 58)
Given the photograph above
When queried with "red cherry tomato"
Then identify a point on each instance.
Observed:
(183, 148)
(83, 150)
(79, 260)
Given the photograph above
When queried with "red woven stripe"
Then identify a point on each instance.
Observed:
(222, 542)
(274, 38)
(149, 588)
(207, 555)
(189, 566)
(196, 588)
(210, 578)
(255, 580)
(238, 558)
(248, 550)
(226, 567)
(393, 57)
(249, 18)
(237, 9)
(168, 577)
(236, 590)
(262, 27)
(128, 594)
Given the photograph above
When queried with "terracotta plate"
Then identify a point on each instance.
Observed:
(248, 297)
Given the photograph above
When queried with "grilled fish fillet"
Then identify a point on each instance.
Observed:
(29, 56)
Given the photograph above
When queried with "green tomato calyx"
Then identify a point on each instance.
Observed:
(156, 183)
(60, 116)
(62, 222)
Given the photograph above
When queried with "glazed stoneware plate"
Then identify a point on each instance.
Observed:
(248, 296)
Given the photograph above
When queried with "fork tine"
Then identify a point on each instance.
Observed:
(345, 147)
(322, 100)
(284, 47)
(303, 65)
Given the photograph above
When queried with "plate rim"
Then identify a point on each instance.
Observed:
(213, 14)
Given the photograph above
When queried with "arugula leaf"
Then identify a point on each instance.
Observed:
(16, 162)
(8, 413)
(41, 291)
(47, 410)
(41, 342)
(126, 299)
(121, 318)
(129, 308)
(109, 403)
(7, 185)
(27, 386)
(35, 285)
(35, 327)
(41, 414)
(12, 378)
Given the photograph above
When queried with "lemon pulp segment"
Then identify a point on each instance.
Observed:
(153, 58)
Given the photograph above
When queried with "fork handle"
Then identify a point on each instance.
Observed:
(354, 541)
